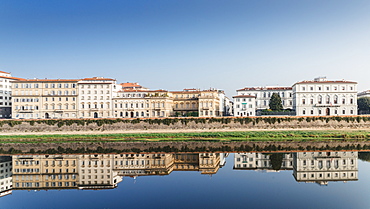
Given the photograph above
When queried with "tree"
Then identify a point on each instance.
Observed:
(363, 105)
(275, 102)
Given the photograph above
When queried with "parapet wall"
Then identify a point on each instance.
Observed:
(190, 123)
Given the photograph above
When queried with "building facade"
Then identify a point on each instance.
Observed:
(322, 97)
(6, 94)
(263, 96)
(244, 105)
(131, 103)
(95, 97)
(44, 98)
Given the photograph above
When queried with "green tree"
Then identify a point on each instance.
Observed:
(363, 104)
(275, 102)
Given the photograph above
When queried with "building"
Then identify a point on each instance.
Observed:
(44, 98)
(196, 102)
(133, 103)
(6, 94)
(323, 167)
(322, 97)
(263, 96)
(244, 105)
(95, 97)
(363, 94)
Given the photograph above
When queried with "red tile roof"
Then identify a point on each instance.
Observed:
(98, 79)
(141, 90)
(130, 85)
(244, 96)
(48, 80)
(14, 78)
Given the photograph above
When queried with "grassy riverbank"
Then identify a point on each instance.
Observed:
(296, 135)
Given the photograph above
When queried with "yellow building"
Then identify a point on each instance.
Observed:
(195, 102)
(133, 103)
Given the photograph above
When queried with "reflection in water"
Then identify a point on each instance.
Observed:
(318, 167)
(322, 167)
(105, 171)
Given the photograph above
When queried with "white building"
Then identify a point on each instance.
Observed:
(244, 105)
(322, 97)
(263, 95)
(95, 97)
(322, 167)
(6, 94)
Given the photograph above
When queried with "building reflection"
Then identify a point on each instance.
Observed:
(96, 171)
(269, 162)
(106, 171)
(308, 167)
(6, 183)
(323, 167)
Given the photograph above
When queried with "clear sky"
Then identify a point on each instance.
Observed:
(176, 44)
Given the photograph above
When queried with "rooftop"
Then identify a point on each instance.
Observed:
(266, 88)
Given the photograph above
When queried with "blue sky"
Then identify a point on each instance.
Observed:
(176, 44)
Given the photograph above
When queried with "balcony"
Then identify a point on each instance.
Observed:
(25, 111)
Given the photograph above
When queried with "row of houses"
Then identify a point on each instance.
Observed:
(318, 97)
(100, 97)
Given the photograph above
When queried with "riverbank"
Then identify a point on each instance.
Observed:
(190, 124)
(173, 136)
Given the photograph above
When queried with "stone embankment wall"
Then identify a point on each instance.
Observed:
(225, 123)
(178, 147)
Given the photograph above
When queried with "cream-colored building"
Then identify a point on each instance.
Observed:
(323, 167)
(44, 98)
(132, 103)
(95, 97)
